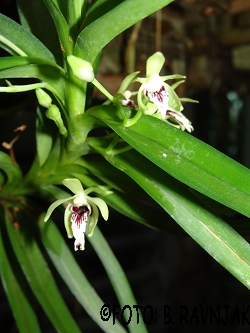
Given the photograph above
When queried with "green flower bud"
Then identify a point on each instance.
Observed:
(54, 114)
(82, 69)
(43, 98)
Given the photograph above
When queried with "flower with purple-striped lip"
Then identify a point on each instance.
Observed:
(177, 119)
(155, 95)
(81, 213)
(157, 98)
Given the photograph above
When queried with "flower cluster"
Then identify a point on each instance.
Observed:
(155, 97)
(81, 213)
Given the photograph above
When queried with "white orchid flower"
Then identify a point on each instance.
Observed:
(81, 213)
(156, 97)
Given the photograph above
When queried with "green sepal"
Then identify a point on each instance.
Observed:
(101, 204)
(93, 219)
(67, 221)
(155, 63)
(74, 185)
(127, 81)
(174, 100)
(54, 205)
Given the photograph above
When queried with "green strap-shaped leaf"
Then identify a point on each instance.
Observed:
(43, 28)
(105, 25)
(73, 276)
(15, 61)
(53, 75)
(76, 10)
(12, 171)
(15, 287)
(62, 27)
(220, 240)
(186, 158)
(44, 140)
(117, 278)
(14, 35)
(39, 275)
(53, 158)
(127, 198)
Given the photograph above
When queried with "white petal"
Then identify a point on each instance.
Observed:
(80, 242)
(78, 230)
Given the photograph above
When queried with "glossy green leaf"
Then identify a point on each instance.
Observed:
(39, 275)
(73, 276)
(44, 140)
(62, 27)
(76, 10)
(43, 28)
(220, 240)
(127, 197)
(15, 286)
(53, 75)
(188, 159)
(53, 159)
(99, 8)
(107, 24)
(13, 34)
(12, 171)
(14, 61)
(117, 278)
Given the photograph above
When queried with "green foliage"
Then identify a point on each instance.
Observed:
(140, 160)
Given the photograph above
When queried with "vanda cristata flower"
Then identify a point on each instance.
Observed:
(81, 214)
(156, 97)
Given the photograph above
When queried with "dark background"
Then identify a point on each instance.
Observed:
(164, 269)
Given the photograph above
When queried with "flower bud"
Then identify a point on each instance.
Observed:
(54, 113)
(43, 98)
(82, 69)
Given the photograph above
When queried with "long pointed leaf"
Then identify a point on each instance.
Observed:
(39, 276)
(12, 171)
(127, 197)
(220, 240)
(24, 40)
(117, 278)
(51, 75)
(62, 27)
(71, 273)
(43, 28)
(14, 284)
(108, 25)
(188, 159)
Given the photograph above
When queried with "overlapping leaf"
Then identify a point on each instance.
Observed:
(12, 33)
(220, 240)
(186, 158)
(39, 275)
(71, 273)
(105, 25)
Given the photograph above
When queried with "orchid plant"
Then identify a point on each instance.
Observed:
(143, 158)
